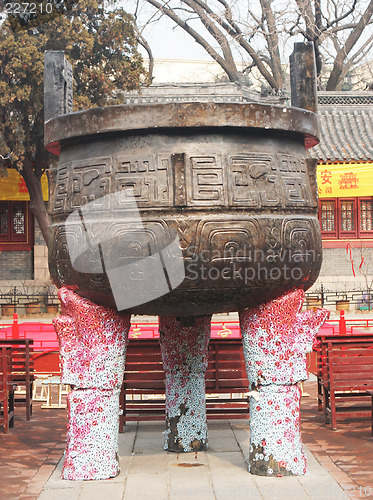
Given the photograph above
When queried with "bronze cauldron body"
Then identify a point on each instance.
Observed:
(231, 182)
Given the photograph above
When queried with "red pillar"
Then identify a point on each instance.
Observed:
(15, 327)
(342, 323)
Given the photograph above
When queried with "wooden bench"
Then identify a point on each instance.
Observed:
(22, 370)
(6, 388)
(322, 372)
(143, 390)
(347, 376)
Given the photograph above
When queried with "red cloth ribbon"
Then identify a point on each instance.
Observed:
(349, 248)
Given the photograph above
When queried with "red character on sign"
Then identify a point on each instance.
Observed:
(348, 181)
(326, 176)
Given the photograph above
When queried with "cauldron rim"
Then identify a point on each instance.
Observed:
(190, 115)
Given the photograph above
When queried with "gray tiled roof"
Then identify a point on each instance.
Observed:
(346, 118)
(346, 123)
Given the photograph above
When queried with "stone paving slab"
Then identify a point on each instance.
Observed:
(150, 473)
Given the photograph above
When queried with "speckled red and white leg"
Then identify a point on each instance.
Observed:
(276, 337)
(93, 341)
(184, 353)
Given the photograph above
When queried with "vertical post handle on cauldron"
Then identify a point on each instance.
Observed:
(303, 76)
(58, 84)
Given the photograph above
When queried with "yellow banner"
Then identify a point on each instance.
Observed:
(342, 180)
(13, 187)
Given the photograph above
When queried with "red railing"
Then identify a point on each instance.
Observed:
(344, 326)
(45, 338)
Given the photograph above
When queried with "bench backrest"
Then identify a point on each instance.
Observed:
(225, 371)
(144, 369)
(350, 365)
(5, 369)
(322, 346)
(22, 363)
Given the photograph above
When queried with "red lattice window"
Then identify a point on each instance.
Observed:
(15, 226)
(328, 216)
(345, 218)
(4, 221)
(366, 215)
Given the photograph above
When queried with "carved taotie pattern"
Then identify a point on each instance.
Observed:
(150, 177)
(241, 219)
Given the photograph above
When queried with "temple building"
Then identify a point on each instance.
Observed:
(345, 185)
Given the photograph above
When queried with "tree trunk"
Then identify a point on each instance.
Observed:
(273, 43)
(37, 205)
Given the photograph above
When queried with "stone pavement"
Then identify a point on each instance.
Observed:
(30, 451)
(341, 463)
(346, 453)
(148, 473)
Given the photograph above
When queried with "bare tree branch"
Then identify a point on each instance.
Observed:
(235, 32)
(355, 34)
(148, 49)
(200, 8)
(335, 27)
(337, 20)
(272, 41)
(231, 71)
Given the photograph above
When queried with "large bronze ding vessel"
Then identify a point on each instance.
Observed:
(231, 182)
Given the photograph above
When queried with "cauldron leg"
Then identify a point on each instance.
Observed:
(276, 337)
(93, 341)
(184, 345)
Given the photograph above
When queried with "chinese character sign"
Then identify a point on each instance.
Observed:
(336, 180)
